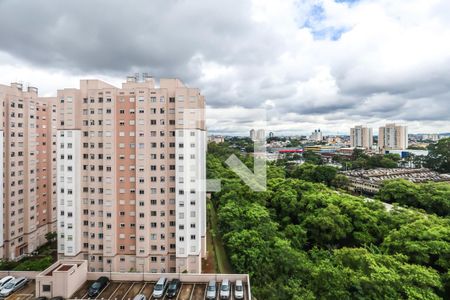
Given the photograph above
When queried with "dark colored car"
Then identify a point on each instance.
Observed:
(98, 286)
(41, 298)
(57, 298)
(173, 288)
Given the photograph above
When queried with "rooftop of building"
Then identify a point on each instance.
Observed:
(381, 174)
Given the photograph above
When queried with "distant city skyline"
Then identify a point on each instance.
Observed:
(307, 134)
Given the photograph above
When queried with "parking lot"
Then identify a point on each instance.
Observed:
(25, 293)
(116, 290)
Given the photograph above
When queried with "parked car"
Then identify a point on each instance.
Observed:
(57, 298)
(5, 280)
(140, 297)
(173, 288)
(211, 290)
(98, 286)
(12, 286)
(160, 288)
(225, 289)
(239, 290)
(41, 298)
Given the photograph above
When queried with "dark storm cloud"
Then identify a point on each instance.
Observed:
(112, 36)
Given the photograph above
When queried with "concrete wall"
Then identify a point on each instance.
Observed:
(27, 274)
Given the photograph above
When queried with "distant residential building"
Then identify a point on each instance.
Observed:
(271, 134)
(253, 134)
(334, 140)
(361, 137)
(216, 139)
(407, 153)
(316, 136)
(369, 181)
(431, 137)
(348, 151)
(260, 134)
(393, 137)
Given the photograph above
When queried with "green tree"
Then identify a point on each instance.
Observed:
(297, 235)
(327, 227)
(439, 156)
(340, 181)
(325, 174)
(425, 241)
(51, 236)
(399, 191)
(433, 197)
(312, 157)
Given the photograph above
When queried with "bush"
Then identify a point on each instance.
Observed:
(34, 264)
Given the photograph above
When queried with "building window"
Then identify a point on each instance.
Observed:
(46, 287)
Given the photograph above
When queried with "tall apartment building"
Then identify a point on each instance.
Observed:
(28, 143)
(361, 137)
(131, 170)
(393, 137)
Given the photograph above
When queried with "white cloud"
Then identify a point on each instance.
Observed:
(312, 63)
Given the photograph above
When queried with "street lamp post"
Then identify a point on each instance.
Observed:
(110, 270)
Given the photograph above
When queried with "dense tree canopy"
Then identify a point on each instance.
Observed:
(432, 197)
(300, 239)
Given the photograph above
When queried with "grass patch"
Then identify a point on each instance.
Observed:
(46, 256)
(222, 262)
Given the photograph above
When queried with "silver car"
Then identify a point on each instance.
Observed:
(5, 280)
(13, 286)
(239, 290)
(211, 290)
(140, 297)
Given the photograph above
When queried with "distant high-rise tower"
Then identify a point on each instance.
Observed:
(253, 134)
(393, 137)
(271, 134)
(361, 137)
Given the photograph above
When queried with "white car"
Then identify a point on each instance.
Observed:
(238, 290)
(160, 288)
(225, 289)
(5, 280)
(211, 290)
(12, 286)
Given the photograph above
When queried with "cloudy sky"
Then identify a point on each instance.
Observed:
(326, 64)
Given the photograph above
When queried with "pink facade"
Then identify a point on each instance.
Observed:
(29, 165)
(121, 180)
